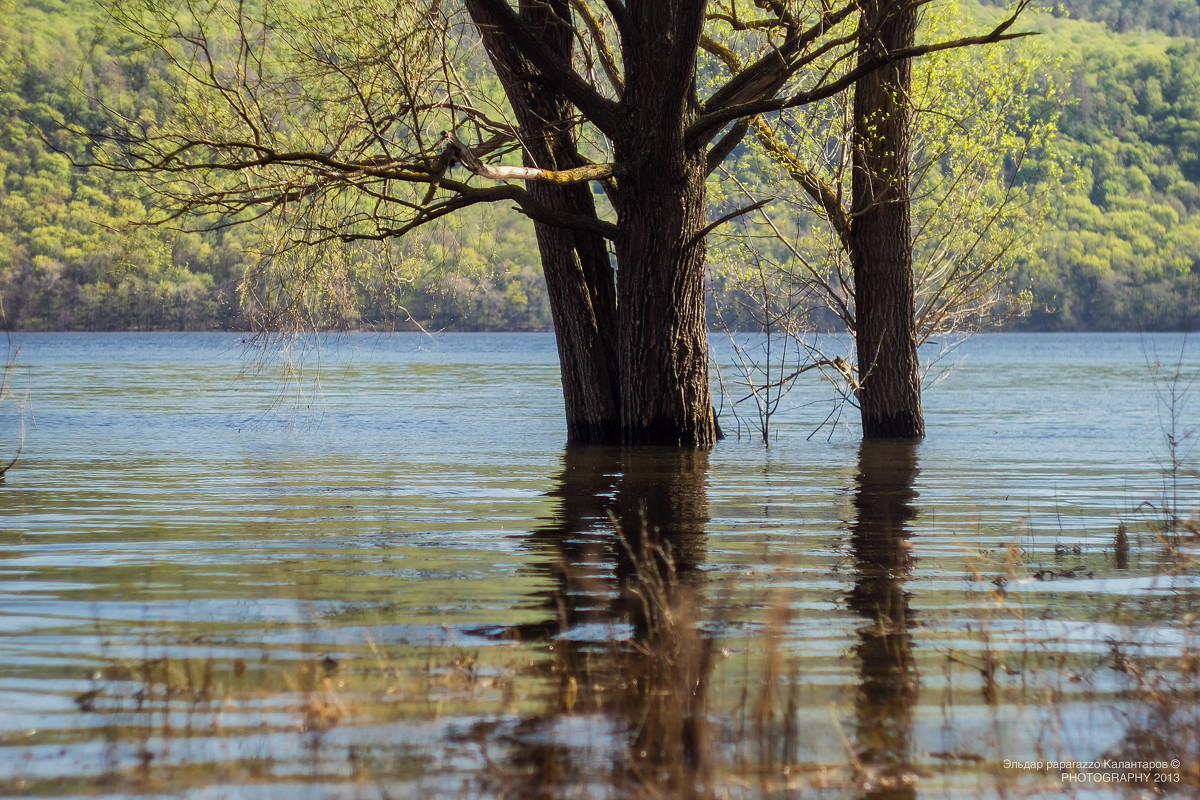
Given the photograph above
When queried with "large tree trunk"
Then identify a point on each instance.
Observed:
(579, 278)
(662, 341)
(889, 395)
(654, 382)
(661, 214)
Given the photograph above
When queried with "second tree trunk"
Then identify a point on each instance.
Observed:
(889, 394)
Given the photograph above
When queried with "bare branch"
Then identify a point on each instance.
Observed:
(747, 94)
(808, 179)
(727, 144)
(588, 172)
(732, 215)
(607, 60)
(497, 14)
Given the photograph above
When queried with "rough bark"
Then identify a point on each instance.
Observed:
(634, 362)
(660, 204)
(579, 278)
(881, 238)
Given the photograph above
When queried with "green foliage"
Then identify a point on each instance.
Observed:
(987, 161)
(1121, 247)
(73, 256)
(1123, 250)
(68, 258)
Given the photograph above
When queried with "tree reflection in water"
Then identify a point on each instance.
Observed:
(630, 661)
(888, 684)
(631, 664)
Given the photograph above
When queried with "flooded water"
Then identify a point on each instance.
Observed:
(387, 577)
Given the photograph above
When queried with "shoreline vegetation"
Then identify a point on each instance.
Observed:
(1120, 250)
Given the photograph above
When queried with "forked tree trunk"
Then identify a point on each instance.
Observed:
(889, 395)
(579, 278)
(634, 371)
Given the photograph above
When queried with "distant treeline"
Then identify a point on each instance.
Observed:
(1121, 251)
(1173, 17)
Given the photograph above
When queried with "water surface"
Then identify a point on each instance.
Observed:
(385, 576)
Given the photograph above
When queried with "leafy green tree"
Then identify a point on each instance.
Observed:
(322, 123)
(977, 174)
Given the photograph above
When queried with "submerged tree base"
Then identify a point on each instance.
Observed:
(902, 425)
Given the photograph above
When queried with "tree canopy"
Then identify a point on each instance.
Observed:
(319, 125)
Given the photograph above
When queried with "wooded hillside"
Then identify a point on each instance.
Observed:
(1120, 251)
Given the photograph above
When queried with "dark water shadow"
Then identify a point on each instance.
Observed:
(629, 662)
(888, 679)
(631, 656)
